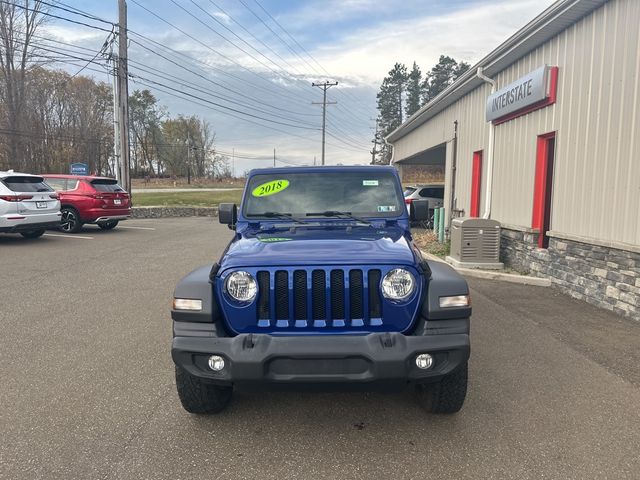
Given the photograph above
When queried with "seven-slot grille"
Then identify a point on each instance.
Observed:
(319, 298)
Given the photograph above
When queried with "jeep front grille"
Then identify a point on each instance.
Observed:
(319, 298)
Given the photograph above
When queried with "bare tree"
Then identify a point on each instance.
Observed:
(18, 24)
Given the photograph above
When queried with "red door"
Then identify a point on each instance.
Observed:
(543, 186)
(476, 181)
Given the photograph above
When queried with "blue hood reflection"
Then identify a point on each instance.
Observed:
(329, 245)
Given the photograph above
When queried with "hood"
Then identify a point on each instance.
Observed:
(319, 246)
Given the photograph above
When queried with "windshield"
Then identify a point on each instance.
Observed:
(365, 194)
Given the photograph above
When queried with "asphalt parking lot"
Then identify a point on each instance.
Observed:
(88, 389)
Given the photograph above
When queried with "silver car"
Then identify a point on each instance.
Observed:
(28, 205)
(434, 193)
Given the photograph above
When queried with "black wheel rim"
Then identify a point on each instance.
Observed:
(69, 221)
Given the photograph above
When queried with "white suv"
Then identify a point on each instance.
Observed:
(28, 206)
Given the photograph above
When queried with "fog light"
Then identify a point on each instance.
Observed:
(423, 361)
(216, 363)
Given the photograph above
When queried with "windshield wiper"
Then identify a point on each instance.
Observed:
(280, 215)
(338, 214)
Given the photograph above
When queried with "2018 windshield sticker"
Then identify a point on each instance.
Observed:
(270, 188)
(386, 208)
(369, 183)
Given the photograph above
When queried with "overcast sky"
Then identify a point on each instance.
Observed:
(227, 58)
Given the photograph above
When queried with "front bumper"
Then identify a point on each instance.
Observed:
(331, 359)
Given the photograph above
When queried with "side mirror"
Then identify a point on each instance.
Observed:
(419, 211)
(228, 214)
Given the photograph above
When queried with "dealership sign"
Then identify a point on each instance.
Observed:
(529, 90)
(79, 169)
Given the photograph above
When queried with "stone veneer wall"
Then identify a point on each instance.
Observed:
(603, 276)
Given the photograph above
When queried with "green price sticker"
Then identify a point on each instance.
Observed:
(270, 188)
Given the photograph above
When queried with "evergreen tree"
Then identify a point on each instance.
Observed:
(390, 105)
(443, 74)
(414, 90)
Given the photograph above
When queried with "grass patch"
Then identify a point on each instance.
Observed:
(186, 199)
(182, 183)
(428, 241)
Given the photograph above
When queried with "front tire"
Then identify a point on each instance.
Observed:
(32, 233)
(199, 396)
(70, 222)
(110, 225)
(446, 396)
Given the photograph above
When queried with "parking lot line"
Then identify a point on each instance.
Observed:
(136, 228)
(67, 236)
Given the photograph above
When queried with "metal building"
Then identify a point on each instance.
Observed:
(543, 135)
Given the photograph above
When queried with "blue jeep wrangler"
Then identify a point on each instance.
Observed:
(321, 284)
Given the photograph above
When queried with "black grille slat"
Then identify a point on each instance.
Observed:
(299, 298)
(337, 294)
(300, 295)
(356, 294)
(318, 288)
(282, 295)
(263, 296)
(375, 304)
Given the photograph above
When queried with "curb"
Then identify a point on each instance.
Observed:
(172, 212)
(493, 275)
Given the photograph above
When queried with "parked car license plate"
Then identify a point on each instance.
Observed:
(117, 201)
(41, 204)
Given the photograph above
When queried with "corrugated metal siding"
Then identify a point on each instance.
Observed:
(596, 191)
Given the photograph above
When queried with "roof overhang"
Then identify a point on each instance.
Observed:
(432, 156)
(548, 24)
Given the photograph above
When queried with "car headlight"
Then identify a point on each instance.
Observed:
(398, 284)
(241, 286)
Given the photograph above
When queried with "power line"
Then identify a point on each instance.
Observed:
(109, 40)
(41, 12)
(190, 85)
(86, 15)
(242, 94)
(179, 81)
(298, 44)
(91, 16)
(208, 47)
(225, 107)
(253, 36)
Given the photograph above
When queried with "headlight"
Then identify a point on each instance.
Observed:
(241, 286)
(398, 284)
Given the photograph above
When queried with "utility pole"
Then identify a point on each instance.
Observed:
(324, 86)
(188, 159)
(116, 128)
(123, 95)
(375, 145)
(233, 162)
(274, 157)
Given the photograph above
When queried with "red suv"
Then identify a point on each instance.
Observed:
(87, 199)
